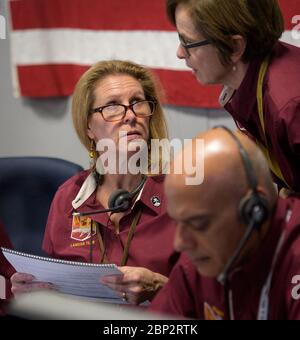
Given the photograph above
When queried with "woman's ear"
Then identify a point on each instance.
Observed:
(239, 47)
(89, 132)
(89, 129)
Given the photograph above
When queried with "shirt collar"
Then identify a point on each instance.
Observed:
(153, 189)
(241, 103)
(87, 189)
(86, 198)
(226, 95)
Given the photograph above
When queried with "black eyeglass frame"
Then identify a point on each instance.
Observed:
(126, 107)
(187, 46)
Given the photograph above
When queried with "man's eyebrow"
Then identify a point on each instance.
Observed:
(196, 218)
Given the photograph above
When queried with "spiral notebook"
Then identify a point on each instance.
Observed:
(68, 277)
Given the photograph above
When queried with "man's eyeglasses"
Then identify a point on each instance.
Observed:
(115, 112)
(187, 46)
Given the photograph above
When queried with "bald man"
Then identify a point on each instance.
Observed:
(241, 243)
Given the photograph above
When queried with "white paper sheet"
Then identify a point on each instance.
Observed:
(76, 278)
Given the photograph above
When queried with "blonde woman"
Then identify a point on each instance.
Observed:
(113, 97)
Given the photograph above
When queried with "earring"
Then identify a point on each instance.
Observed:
(94, 163)
(92, 154)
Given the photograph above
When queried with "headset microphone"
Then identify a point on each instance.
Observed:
(119, 201)
(89, 213)
(222, 278)
(253, 208)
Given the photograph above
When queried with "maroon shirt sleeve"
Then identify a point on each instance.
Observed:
(6, 269)
(292, 114)
(60, 210)
(47, 244)
(285, 292)
(57, 219)
(181, 296)
(291, 274)
(293, 293)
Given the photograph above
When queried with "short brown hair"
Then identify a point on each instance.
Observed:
(84, 96)
(260, 22)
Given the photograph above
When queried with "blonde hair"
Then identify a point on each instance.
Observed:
(260, 22)
(84, 96)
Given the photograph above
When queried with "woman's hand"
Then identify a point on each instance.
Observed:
(136, 285)
(22, 283)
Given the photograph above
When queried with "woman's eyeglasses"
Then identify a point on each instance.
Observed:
(187, 46)
(115, 112)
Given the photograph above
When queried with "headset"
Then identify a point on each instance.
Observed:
(122, 198)
(119, 201)
(253, 208)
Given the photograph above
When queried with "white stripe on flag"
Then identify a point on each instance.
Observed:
(155, 49)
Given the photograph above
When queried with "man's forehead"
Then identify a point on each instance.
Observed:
(178, 191)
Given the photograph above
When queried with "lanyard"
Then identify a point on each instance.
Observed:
(128, 242)
(273, 164)
(263, 309)
(130, 236)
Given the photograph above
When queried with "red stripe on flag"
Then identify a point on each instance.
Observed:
(90, 14)
(183, 89)
(290, 9)
(109, 14)
(60, 80)
(49, 80)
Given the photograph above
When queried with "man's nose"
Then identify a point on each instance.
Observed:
(183, 239)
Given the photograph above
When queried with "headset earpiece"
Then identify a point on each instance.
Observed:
(120, 198)
(253, 209)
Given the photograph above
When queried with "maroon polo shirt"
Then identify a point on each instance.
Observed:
(6, 269)
(281, 99)
(190, 295)
(151, 246)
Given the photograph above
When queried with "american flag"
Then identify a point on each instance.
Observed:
(54, 41)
